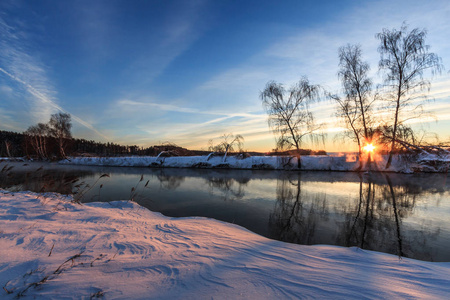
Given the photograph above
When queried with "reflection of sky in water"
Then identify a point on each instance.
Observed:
(265, 202)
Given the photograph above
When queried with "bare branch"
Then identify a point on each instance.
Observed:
(404, 59)
(288, 112)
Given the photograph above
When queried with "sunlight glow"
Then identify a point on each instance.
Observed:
(369, 148)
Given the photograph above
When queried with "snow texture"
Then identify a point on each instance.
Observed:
(339, 162)
(53, 248)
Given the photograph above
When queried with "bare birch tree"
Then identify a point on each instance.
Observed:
(60, 126)
(229, 141)
(404, 58)
(8, 146)
(356, 105)
(37, 136)
(289, 113)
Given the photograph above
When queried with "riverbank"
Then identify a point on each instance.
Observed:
(52, 247)
(341, 162)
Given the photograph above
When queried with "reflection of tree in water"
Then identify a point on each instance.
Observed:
(169, 182)
(230, 188)
(374, 222)
(41, 180)
(295, 217)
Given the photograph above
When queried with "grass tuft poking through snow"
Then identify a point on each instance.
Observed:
(119, 250)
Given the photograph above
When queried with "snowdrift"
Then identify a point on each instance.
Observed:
(53, 248)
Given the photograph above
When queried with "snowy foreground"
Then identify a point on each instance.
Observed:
(339, 162)
(53, 248)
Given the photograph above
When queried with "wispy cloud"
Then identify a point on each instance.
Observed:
(143, 106)
(30, 74)
(177, 31)
(193, 128)
(25, 69)
(40, 95)
(45, 101)
(235, 78)
(137, 105)
(198, 134)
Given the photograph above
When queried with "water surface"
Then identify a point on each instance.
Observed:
(405, 215)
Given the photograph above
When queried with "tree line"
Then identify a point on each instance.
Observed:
(53, 140)
(370, 114)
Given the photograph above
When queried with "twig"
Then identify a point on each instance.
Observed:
(112, 257)
(6, 290)
(98, 258)
(51, 250)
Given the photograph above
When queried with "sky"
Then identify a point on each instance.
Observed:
(149, 72)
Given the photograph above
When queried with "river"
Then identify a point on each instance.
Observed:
(405, 215)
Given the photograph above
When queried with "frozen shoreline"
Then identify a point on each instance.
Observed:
(52, 247)
(345, 162)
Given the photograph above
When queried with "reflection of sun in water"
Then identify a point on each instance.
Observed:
(369, 148)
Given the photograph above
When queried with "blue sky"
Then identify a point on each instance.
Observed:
(147, 72)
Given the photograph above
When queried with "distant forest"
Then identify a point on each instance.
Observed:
(15, 144)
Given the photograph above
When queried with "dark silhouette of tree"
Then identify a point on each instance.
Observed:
(289, 115)
(355, 107)
(11, 143)
(404, 58)
(228, 143)
(37, 136)
(59, 128)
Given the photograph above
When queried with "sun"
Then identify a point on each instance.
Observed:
(369, 148)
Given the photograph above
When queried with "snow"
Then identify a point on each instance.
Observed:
(54, 248)
(339, 162)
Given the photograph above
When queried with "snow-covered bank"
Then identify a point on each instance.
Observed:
(53, 248)
(343, 162)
